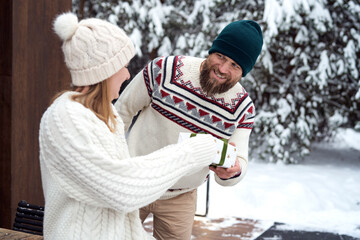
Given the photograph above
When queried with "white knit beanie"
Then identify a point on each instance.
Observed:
(94, 49)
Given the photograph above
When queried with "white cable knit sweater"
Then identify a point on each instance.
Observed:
(92, 188)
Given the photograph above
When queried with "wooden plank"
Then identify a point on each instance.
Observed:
(222, 228)
(6, 234)
(37, 60)
(5, 152)
(32, 70)
(5, 108)
(226, 229)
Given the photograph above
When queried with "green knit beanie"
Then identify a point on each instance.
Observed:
(241, 41)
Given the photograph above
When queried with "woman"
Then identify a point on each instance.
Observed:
(93, 188)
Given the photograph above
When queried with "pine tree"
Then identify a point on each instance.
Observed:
(307, 85)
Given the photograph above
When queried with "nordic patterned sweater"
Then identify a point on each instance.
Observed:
(171, 101)
(92, 188)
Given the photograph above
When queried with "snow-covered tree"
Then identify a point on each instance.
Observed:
(306, 81)
(309, 79)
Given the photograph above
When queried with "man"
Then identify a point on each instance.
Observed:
(187, 94)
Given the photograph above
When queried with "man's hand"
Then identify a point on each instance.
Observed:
(226, 173)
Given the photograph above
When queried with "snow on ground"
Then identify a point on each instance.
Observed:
(321, 193)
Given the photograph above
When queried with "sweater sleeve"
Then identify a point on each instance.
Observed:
(82, 159)
(135, 97)
(241, 139)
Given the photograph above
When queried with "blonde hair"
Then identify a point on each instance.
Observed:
(97, 99)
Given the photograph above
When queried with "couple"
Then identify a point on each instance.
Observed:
(94, 180)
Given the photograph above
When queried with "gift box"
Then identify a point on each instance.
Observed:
(225, 153)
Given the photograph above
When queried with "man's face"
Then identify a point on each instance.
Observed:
(219, 73)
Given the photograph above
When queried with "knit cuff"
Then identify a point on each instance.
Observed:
(204, 149)
(235, 176)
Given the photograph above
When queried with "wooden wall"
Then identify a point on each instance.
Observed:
(32, 70)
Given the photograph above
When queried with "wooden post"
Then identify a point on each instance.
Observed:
(32, 70)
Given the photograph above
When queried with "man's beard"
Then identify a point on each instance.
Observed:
(211, 86)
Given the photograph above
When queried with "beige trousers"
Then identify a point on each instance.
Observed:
(173, 218)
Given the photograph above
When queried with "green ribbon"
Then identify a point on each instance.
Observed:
(223, 152)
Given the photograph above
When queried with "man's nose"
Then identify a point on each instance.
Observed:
(224, 67)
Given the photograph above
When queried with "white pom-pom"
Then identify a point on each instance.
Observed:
(65, 25)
